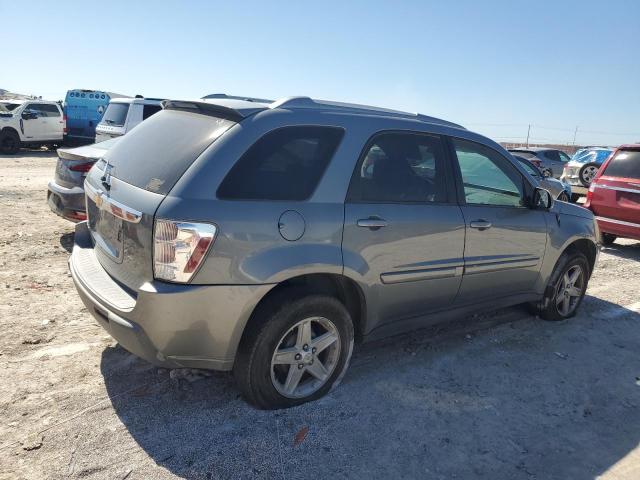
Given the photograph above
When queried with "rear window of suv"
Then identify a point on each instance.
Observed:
(285, 164)
(157, 152)
(116, 114)
(625, 164)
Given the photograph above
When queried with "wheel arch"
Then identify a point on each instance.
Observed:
(346, 290)
(10, 129)
(587, 248)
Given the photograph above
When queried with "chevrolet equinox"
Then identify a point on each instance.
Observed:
(264, 237)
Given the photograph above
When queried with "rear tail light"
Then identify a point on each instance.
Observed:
(180, 248)
(82, 167)
(592, 187)
(64, 125)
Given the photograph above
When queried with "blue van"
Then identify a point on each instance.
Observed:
(83, 110)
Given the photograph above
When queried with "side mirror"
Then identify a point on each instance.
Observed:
(542, 199)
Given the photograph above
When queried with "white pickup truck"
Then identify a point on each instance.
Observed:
(27, 123)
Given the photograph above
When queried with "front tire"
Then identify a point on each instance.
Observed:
(587, 172)
(566, 288)
(563, 197)
(297, 353)
(9, 142)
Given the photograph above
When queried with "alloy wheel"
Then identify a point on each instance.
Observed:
(305, 357)
(569, 290)
(588, 173)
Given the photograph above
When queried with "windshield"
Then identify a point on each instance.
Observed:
(588, 155)
(116, 114)
(8, 107)
(155, 154)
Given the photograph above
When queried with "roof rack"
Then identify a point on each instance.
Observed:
(236, 97)
(307, 102)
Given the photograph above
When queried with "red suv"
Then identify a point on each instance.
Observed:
(614, 195)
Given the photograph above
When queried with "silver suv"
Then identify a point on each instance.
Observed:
(265, 237)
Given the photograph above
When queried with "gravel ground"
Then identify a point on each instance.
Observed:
(497, 396)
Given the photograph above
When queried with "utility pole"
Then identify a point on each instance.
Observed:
(528, 131)
(574, 136)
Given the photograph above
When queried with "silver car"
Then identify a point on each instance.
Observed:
(549, 159)
(267, 237)
(558, 189)
(65, 193)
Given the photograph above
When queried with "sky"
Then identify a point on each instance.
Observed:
(493, 66)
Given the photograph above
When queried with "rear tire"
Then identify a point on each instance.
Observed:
(575, 197)
(9, 142)
(278, 365)
(608, 239)
(566, 288)
(563, 197)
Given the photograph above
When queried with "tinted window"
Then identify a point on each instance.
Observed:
(50, 110)
(488, 177)
(564, 157)
(148, 110)
(552, 155)
(36, 108)
(400, 167)
(625, 164)
(157, 152)
(116, 114)
(285, 164)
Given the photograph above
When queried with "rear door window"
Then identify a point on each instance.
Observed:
(116, 114)
(625, 164)
(552, 155)
(400, 167)
(285, 164)
(50, 110)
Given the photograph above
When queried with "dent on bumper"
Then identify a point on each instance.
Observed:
(196, 326)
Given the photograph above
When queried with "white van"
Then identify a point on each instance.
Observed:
(30, 123)
(122, 114)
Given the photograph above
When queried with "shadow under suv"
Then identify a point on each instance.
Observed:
(264, 237)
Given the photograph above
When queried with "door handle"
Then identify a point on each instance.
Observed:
(374, 223)
(480, 224)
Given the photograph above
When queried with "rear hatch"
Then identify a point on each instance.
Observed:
(128, 184)
(616, 193)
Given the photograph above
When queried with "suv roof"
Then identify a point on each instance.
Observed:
(241, 107)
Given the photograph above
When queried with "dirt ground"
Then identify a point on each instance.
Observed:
(498, 396)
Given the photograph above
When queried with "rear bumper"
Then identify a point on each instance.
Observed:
(195, 326)
(66, 202)
(619, 228)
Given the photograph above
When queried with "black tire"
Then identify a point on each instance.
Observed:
(253, 370)
(547, 308)
(9, 142)
(563, 197)
(586, 173)
(575, 197)
(607, 238)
